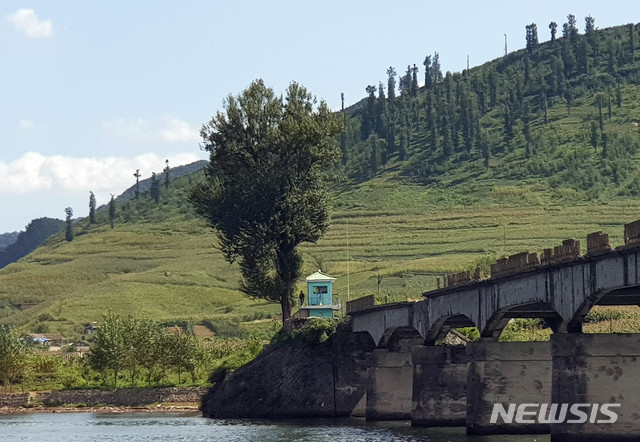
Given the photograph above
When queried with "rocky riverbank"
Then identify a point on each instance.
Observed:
(191, 408)
(115, 400)
(296, 379)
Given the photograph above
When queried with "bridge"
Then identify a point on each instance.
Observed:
(412, 377)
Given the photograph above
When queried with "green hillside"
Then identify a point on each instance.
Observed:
(562, 113)
(159, 262)
(513, 155)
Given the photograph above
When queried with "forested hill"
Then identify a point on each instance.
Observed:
(6, 239)
(26, 242)
(562, 113)
(145, 184)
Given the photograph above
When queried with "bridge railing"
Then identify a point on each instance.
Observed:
(361, 303)
(632, 233)
(597, 243)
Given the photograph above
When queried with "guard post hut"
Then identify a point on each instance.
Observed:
(319, 297)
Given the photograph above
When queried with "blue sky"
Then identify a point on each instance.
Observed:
(92, 90)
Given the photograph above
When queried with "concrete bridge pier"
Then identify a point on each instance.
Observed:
(439, 386)
(594, 370)
(507, 373)
(390, 384)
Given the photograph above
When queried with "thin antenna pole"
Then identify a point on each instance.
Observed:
(467, 62)
(505, 45)
(348, 270)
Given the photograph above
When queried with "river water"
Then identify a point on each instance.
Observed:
(160, 426)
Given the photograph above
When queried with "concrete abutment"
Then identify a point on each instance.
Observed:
(506, 373)
(439, 386)
(390, 385)
(594, 370)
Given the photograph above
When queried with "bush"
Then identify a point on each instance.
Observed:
(313, 330)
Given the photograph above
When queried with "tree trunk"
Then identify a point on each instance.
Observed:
(288, 268)
(286, 307)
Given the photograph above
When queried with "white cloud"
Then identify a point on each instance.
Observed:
(27, 125)
(178, 131)
(34, 172)
(25, 20)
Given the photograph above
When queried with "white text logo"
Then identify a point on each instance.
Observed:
(555, 413)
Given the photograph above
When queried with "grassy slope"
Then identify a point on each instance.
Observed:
(406, 235)
(170, 270)
(160, 265)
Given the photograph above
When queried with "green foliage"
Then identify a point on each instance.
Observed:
(281, 147)
(69, 234)
(142, 347)
(540, 95)
(225, 328)
(92, 208)
(525, 330)
(471, 333)
(167, 177)
(155, 188)
(35, 234)
(314, 330)
(608, 314)
(14, 354)
(112, 211)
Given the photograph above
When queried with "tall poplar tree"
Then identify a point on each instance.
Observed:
(92, 208)
(167, 179)
(155, 188)
(281, 147)
(427, 71)
(553, 26)
(112, 211)
(69, 230)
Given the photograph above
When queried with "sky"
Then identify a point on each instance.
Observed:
(92, 90)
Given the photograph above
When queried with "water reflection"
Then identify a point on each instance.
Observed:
(72, 427)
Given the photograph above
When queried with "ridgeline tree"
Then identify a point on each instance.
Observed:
(391, 83)
(155, 188)
(414, 81)
(427, 71)
(569, 28)
(137, 175)
(532, 37)
(264, 192)
(92, 208)
(112, 211)
(589, 24)
(69, 231)
(167, 179)
(553, 26)
(632, 44)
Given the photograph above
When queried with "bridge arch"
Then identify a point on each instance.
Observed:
(532, 310)
(443, 324)
(400, 338)
(624, 295)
